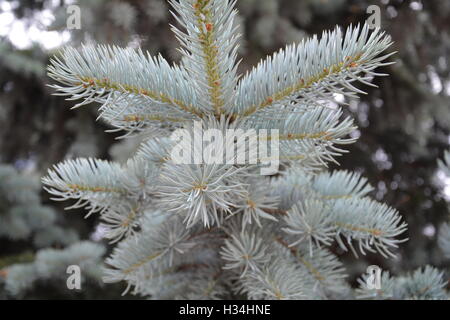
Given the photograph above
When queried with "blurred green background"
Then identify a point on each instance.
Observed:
(404, 125)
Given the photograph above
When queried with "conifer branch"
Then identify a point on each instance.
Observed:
(312, 71)
(209, 46)
(107, 75)
(191, 229)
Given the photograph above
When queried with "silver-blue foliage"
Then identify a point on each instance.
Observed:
(199, 230)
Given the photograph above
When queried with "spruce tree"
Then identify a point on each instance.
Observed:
(201, 230)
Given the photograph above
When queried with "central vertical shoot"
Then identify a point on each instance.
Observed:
(210, 50)
(209, 46)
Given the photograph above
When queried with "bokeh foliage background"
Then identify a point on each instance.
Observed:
(404, 125)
